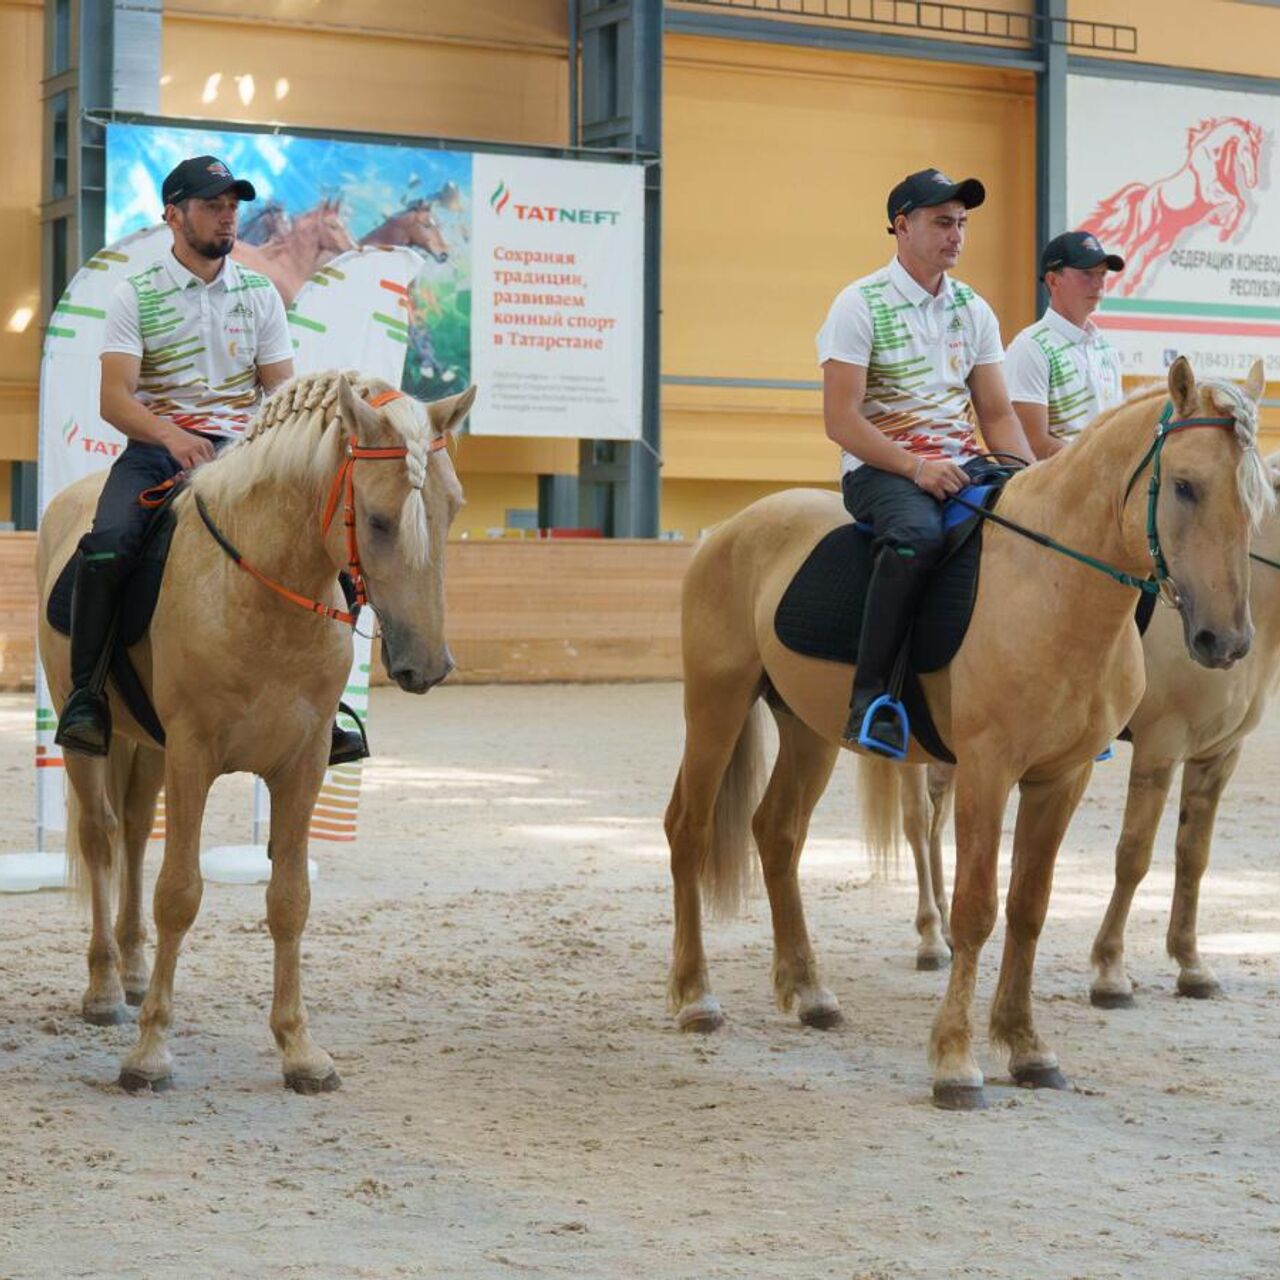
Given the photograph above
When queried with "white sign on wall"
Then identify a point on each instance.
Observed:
(1178, 182)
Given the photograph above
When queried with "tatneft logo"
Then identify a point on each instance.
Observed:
(71, 433)
(501, 197)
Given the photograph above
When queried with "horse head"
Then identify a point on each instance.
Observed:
(1214, 489)
(403, 510)
(331, 231)
(424, 231)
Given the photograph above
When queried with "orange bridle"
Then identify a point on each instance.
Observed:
(344, 486)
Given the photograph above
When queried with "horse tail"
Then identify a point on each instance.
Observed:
(729, 872)
(880, 804)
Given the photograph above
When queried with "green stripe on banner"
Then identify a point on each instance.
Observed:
(65, 308)
(334, 272)
(390, 320)
(111, 255)
(1142, 306)
(54, 332)
(356, 689)
(94, 265)
(364, 666)
(399, 337)
(303, 322)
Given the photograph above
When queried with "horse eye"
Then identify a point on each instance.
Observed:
(1185, 490)
(379, 524)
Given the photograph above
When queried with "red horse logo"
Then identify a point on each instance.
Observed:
(1142, 222)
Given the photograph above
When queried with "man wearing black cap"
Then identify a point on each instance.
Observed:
(911, 364)
(192, 346)
(1061, 371)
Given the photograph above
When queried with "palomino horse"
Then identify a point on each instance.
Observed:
(1028, 703)
(292, 259)
(414, 226)
(244, 680)
(1143, 221)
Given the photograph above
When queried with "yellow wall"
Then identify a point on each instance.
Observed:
(21, 52)
(778, 163)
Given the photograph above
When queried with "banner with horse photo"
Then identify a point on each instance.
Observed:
(1177, 181)
(533, 289)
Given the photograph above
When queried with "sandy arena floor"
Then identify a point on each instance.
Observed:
(487, 967)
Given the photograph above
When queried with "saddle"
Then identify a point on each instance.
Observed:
(137, 605)
(820, 613)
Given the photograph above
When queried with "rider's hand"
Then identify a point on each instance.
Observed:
(940, 478)
(188, 450)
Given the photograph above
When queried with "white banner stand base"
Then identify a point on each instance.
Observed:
(27, 872)
(241, 864)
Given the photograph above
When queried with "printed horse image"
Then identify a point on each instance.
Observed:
(415, 226)
(1142, 222)
(245, 680)
(291, 260)
(1029, 704)
(269, 223)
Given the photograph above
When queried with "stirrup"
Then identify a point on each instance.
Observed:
(865, 739)
(357, 741)
(1107, 753)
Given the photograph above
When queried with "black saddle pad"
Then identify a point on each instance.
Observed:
(137, 605)
(820, 614)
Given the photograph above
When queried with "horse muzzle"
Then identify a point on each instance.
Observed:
(1220, 649)
(414, 677)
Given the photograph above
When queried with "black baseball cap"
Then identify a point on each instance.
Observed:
(202, 178)
(1076, 249)
(929, 187)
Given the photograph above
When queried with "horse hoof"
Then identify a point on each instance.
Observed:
(135, 1082)
(107, 1015)
(822, 1017)
(1039, 1077)
(701, 1017)
(300, 1083)
(932, 961)
(1199, 989)
(135, 998)
(1111, 999)
(959, 1097)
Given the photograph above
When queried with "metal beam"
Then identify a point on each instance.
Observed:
(738, 26)
(1051, 139)
(1186, 77)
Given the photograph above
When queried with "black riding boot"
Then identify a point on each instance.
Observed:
(348, 745)
(892, 595)
(85, 722)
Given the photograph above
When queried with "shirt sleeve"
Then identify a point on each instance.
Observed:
(121, 334)
(274, 342)
(988, 349)
(1026, 371)
(846, 334)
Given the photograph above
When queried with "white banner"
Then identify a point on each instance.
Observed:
(1178, 182)
(557, 315)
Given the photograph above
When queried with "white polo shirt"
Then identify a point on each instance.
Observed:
(200, 344)
(1074, 372)
(918, 350)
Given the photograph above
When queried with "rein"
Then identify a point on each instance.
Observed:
(343, 486)
(1160, 583)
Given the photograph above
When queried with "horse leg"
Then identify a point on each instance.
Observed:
(717, 714)
(1202, 784)
(942, 794)
(179, 888)
(307, 1067)
(981, 792)
(781, 823)
(1044, 811)
(931, 951)
(1148, 789)
(95, 827)
(146, 776)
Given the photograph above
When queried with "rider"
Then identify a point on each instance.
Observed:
(193, 344)
(910, 358)
(1061, 371)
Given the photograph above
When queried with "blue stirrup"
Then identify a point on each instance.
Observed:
(880, 747)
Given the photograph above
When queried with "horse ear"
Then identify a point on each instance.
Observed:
(1182, 387)
(445, 415)
(359, 418)
(1256, 383)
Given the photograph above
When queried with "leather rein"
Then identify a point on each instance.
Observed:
(342, 488)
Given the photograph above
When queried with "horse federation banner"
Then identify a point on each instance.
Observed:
(1182, 191)
(532, 286)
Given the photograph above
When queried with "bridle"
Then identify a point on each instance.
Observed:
(343, 487)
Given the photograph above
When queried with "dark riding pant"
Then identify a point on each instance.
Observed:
(121, 520)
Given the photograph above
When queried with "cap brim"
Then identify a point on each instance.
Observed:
(243, 189)
(1113, 261)
(971, 193)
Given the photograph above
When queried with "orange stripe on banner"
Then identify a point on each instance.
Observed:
(321, 835)
(51, 762)
(319, 827)
(347, 812)
(338, 802)
(393, 287)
